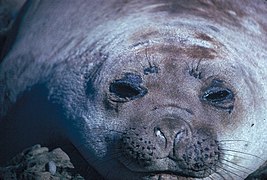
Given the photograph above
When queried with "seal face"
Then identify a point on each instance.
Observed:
(146, 90)
(168, 138)
(164, 134)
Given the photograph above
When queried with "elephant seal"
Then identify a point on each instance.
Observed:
(142, 89)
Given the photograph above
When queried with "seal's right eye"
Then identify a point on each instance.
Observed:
(124, 90)
(127, 88)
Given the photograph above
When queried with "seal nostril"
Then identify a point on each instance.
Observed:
(159, 133)
(160, 136)
(180, 135)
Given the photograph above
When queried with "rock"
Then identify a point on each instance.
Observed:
(51, 167)
(38, 163)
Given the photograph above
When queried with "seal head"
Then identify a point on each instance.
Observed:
(146, 90)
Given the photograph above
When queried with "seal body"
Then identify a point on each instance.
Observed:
(142, 89)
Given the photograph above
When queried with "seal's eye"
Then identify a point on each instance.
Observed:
(124, 89)
(127, 88)
(217, 94)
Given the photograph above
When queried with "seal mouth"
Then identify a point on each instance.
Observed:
(158, 173)
(169, 175)
(164, 175)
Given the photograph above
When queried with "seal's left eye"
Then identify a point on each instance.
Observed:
(127, 88)
(217, 94)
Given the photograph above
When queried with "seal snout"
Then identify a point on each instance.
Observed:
(171, 133)
(159, 140)
(170, 143)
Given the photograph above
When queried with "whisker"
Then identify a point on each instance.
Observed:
(235, 168)
(227, 154)
(230, 140)
(216, 173)
(227, 173)
(243, 153)
(238, 165)
(220, 175)
(210, 177)
(230, 172)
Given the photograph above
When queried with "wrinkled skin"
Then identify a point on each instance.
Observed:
(140, 89)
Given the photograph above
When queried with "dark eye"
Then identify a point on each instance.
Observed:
(217, 95)
(127, 88)
(124, 90)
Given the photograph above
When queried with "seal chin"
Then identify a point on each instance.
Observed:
(163, 176)
(166, 168)
(171, 175)
(168, 175)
